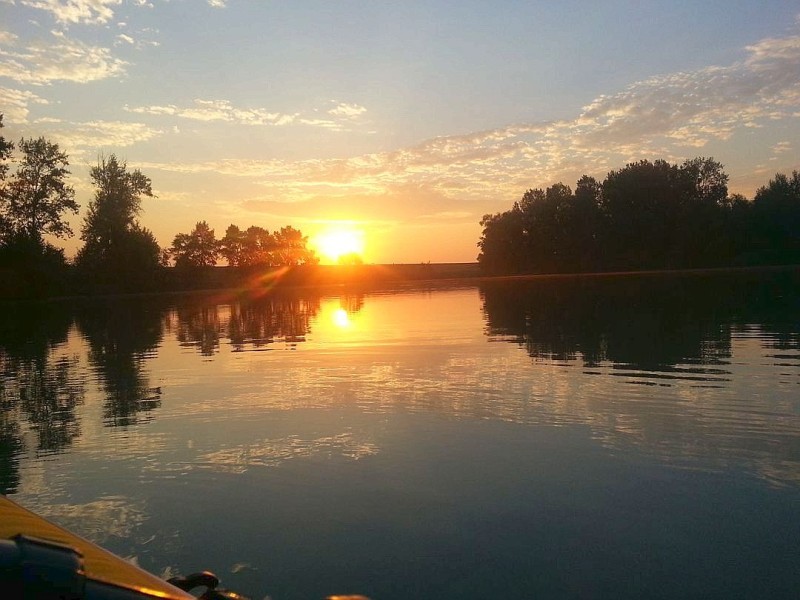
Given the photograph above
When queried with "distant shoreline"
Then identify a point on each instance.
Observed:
(331, 279)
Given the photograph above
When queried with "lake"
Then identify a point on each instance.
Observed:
(592, 437)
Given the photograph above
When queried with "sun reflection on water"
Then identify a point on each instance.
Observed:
(340, 318)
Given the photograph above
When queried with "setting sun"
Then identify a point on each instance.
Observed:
(332, 245)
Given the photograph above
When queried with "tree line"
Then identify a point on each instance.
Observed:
(254, 246)
(118, 253)
(646, 215)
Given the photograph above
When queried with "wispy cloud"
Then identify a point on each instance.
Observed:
(76, 11)
(14, 104)
(225, 111)
(86, 139)
(347, 110)
(217, 3)
(63, 60)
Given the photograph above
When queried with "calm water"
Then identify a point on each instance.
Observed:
(591, 438)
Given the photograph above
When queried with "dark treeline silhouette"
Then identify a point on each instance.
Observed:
(647, 215)
(118, 254)
(649, 322)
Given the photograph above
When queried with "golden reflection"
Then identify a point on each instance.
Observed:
(340, 318)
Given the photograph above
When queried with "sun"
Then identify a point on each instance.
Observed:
(332, 244)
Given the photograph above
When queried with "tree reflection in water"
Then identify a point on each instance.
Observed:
(699, 338)
(36, 386)
(245, 323)
(646, 322)
(121, 335)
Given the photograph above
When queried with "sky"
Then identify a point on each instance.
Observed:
(402, 123)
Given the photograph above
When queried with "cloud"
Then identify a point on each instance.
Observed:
(65, 60)
(217, 3)
(7, 38)
(349, 111)
(125, 39)
(782, 147)
(76, 11)
(225, 111)
(14, 104)
(86, 139)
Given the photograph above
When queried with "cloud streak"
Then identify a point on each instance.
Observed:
(225, 111)
(65, 60)
(15, 103)
(85, 139)
(94, 12)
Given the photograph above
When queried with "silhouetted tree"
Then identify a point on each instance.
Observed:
(32, 204)
(196, 249)
(6, 147)
(502, 243)
(647, 215)
(776, 212)
(37, 195)
(259, 247)
(231, 247)
(118, 251)
(291, 248)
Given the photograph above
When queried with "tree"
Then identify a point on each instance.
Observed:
(291, 248)
(776, 209)
(502, 242)
(32, 204)
(5, 153)
(258, 247)
(116, 205)
(231, 247)
(707, 183)
(196, 249)
(37, 195)
(6, 148)
(118, 251)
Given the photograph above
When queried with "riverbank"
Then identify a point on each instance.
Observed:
(355, 278)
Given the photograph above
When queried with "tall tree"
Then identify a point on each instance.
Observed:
(37, 194)
(196, 249)
(116, 205)
(117, 249)
(231, 247)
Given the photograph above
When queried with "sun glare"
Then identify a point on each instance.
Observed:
(340, 318)
(332, 245)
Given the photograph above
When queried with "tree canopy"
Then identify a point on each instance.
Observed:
(37, 194)
(196, 249)
(646, 215)
(33, 204)
(118, 250)
(257, 246)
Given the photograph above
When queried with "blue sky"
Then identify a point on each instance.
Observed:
(406, 121)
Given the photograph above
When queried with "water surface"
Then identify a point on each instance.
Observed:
(565, 438)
